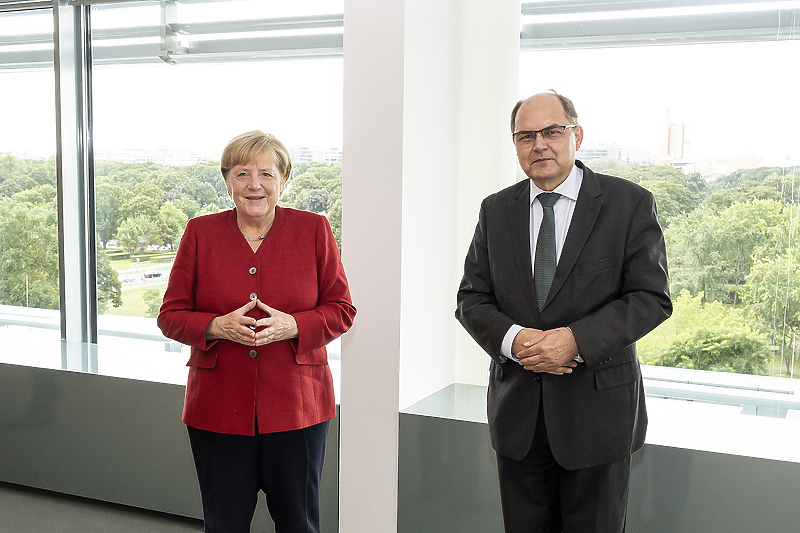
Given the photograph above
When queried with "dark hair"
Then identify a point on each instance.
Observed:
(514, 116)
(566, 104)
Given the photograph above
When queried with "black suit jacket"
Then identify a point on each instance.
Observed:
(610, 288)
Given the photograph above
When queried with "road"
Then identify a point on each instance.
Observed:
(135, 276)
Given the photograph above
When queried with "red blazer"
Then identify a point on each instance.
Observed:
(297, 270)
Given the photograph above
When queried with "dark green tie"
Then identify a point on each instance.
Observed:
(544, 266)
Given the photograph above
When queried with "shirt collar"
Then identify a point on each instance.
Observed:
(570, 187)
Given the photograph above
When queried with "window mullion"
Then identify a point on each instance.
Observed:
(77, 261)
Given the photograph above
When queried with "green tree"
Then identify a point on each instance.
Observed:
(706, 336)
(174, 222)
(14, 176)
(16, 183)
(166, 178)
(772, 292)
(189, 206)
(153, 298)
(28, 255)
(317, 187)
(676, 193)
(42, 171)
(109, 288)
(41, 195)
(137, 233)
(770, 189)
(672, 199)
(110, 196)
(718, 350)
(207, 210)
(311, 176)
(335, 219)
(209, 172)
(316, 201)
(146, 201)
(711, 253)
(738, 178)
(606, 165)
(202, 193)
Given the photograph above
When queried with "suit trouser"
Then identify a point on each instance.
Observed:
(287, 466)
(539, 496)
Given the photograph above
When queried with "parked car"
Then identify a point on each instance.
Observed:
(151, 275)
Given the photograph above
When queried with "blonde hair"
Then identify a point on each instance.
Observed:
(246, 147)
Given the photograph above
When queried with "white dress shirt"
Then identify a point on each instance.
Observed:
(563, 210)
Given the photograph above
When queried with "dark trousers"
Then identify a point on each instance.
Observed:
(539, 496)
(287, 466)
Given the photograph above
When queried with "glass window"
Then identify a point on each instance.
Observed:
(161, 120)
(709, 128)
(724, 192)
(29, 267)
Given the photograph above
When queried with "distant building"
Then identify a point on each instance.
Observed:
(305, 154)
(627, 154)
(675, 137)
(677, 144)
(187, 157)
(720, 166)
(161, 156)
(27, 154)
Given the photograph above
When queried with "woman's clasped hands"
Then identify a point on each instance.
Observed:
(236, 326)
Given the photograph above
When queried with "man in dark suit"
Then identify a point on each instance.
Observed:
(557, 289)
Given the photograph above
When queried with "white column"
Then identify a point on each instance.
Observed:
(421, 123)
(371, 251)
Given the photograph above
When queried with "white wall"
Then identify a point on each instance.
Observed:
(428, 87)
(490, 73)
(371, 245)
(461, 71)
(430, 197)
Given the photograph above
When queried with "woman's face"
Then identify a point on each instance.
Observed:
(256, 188)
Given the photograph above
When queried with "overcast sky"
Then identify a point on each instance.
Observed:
(734, 99)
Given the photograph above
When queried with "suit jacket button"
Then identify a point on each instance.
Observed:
(252, 270)
(536, 377)
(253, 296)
(253, 353)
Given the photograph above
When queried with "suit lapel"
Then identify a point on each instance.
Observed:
(519, 210)
(583, 218)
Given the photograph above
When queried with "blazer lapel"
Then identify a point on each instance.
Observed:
(519, 210)
(583, 218)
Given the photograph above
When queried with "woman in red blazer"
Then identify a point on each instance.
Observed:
(257, 292)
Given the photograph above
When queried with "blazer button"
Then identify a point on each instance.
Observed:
(253, 296)
(536, 377)
(253, 270)
(253, 353)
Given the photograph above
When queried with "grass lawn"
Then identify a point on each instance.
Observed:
(132, 303)
(122, 264)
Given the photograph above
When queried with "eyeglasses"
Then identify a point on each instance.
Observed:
(549, 134)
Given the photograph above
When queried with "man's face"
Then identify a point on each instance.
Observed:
(546, 162)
